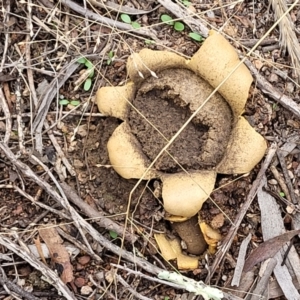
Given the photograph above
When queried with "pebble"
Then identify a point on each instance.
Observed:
(86, 290)
(289, 87)
(273, 181)
(273, 77)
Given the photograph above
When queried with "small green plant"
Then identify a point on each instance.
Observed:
(186, 3)
(90, 68)
(126, 19)
(113, 234)
(110, 57)
(195, 36)
(178, 26)
(72, 102)
(282, 194)
(149, 42)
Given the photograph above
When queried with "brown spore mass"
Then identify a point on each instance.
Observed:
(160, 108)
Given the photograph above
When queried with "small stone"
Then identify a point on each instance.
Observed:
(78, 163)
(258, 64)
(110, 276)
(86, 290)
(82, 130)
(289, 87)
(273, 77)
(273, 181)
(83, 260)
(290, 209)
(79, 282)
(217, 221)
(291, 175)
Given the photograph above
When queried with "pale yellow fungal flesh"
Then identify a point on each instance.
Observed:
(215, 60)
(126, 156)
(147, 61)
(211, 236)
(171, 249)
(245, 149)
(114, 101)
(183, 194)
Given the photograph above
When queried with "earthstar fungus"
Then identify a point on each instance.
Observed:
(219, 139)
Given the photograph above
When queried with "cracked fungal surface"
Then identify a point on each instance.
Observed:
(166, 104)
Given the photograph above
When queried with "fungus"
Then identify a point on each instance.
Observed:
(163, 92)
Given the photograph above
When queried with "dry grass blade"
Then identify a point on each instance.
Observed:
(288, 38)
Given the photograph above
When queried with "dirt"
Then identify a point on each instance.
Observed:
(166, 103)
(98, 180)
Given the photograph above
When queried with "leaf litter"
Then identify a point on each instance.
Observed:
(102, 186)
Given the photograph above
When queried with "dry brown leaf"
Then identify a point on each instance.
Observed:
(268, 249)
(59, 254)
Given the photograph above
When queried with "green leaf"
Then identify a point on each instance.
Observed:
(75, 102)
(125, 18)
(178, 26)
(282, 194)
(186, 3)
(108, 62)
(64, 102)
(88, 64)
(81, 60)
(149, 42)
(110, 54)
(136, 25)
(92, 72)
(195, 36)
(167, 19)
(113, 234)
(87, 84)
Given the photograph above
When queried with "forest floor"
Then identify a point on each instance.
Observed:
(58, 186)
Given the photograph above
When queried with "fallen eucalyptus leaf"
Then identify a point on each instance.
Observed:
(268, 249)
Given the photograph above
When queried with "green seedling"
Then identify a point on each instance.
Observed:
(149, 42)
(178, 26)
(195, 36)
(113, 234)
(66, 102)
(90, 67)
(186, 3)
(126, 19)
(282, 194)
(110, 57)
